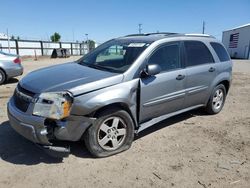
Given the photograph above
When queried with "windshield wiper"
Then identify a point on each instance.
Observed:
(99, 67)
(105, 68)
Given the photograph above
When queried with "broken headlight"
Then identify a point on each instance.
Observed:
(53, 105)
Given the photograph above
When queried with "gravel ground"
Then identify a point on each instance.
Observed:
(189, 150)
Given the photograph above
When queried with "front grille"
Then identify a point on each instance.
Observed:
(25, 91)
(22, 98)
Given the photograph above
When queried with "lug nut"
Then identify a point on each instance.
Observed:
(109, 130)
(113, 137)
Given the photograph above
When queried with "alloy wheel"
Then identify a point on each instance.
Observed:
(112, 133)
(218, 99)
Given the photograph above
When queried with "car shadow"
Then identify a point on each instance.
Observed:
(17, 150)
(11, 81)
(169, 121)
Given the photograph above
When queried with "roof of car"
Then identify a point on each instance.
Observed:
(151, 37)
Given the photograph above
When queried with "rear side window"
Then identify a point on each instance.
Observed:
(168, 57)
(197, 53)
(220, 51)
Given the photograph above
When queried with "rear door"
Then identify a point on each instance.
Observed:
(200, 70)
(163, 93)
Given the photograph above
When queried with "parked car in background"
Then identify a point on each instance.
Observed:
(10, 66)
(120, 88)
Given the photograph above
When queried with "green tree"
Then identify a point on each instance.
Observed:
(12, 37)
(91, 44)
(55, 37)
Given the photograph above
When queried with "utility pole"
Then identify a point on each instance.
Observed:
(87, 39)
(8, 39)
(140, 28)
(203, 27)
(73, 35)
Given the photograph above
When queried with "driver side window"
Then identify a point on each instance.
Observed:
(167, 57)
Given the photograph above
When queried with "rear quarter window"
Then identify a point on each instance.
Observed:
(220, 51)
(197, 53)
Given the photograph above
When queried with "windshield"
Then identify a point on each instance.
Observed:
(114, 56)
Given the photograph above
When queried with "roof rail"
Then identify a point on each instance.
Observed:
(198, 35)
(161, 33)
(148, 34)
(169, 34)
(134, 35)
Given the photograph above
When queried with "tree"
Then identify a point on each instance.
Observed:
(55, 37)
(91, 44)
(12, 37)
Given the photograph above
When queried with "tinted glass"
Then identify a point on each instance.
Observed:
(167, 57)
(197, 53)
(220, 51)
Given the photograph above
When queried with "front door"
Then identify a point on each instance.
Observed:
(163, 93)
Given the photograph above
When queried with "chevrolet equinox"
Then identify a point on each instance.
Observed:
(120, 88)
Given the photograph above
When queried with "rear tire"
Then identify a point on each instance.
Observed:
(216, 100)
(112, 133)
(2, 77)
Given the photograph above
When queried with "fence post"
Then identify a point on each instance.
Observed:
(41, 42)
(80, 49)
(60, 44)
(71, 46)
(17, 48)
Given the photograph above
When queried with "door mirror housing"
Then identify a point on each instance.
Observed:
(152, 69)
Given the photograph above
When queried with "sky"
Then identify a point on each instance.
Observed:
(106, 19)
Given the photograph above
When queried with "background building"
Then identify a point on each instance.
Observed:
(237, 41)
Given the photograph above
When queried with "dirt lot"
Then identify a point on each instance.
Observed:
(190, 150)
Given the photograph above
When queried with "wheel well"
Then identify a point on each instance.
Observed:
(118, 106)
(3, 72)
(226, 84)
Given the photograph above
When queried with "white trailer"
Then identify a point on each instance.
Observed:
(237, 41)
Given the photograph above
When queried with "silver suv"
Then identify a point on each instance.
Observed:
(120, 88)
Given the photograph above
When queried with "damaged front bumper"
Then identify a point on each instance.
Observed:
(43, 132)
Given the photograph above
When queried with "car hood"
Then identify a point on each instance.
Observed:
(69, 76)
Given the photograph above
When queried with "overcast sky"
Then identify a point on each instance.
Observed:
(105, 19)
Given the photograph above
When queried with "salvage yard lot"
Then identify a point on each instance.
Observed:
(189, 150)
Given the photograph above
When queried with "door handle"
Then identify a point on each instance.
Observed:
(180, 77)
(212, 69)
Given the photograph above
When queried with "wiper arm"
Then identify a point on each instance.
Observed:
(99, 67)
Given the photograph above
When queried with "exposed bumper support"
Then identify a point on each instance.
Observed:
(55, 151)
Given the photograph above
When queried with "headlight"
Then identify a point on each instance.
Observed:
(53, 105)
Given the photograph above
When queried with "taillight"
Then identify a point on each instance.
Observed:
(17, 60)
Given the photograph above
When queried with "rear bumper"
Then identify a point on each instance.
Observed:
(14, 71)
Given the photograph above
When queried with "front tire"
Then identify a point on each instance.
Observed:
(112, 133)
(216, 100)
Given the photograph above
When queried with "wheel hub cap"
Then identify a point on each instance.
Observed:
(218, 99)
(112, 133)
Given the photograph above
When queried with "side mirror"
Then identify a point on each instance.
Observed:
(152, 69)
